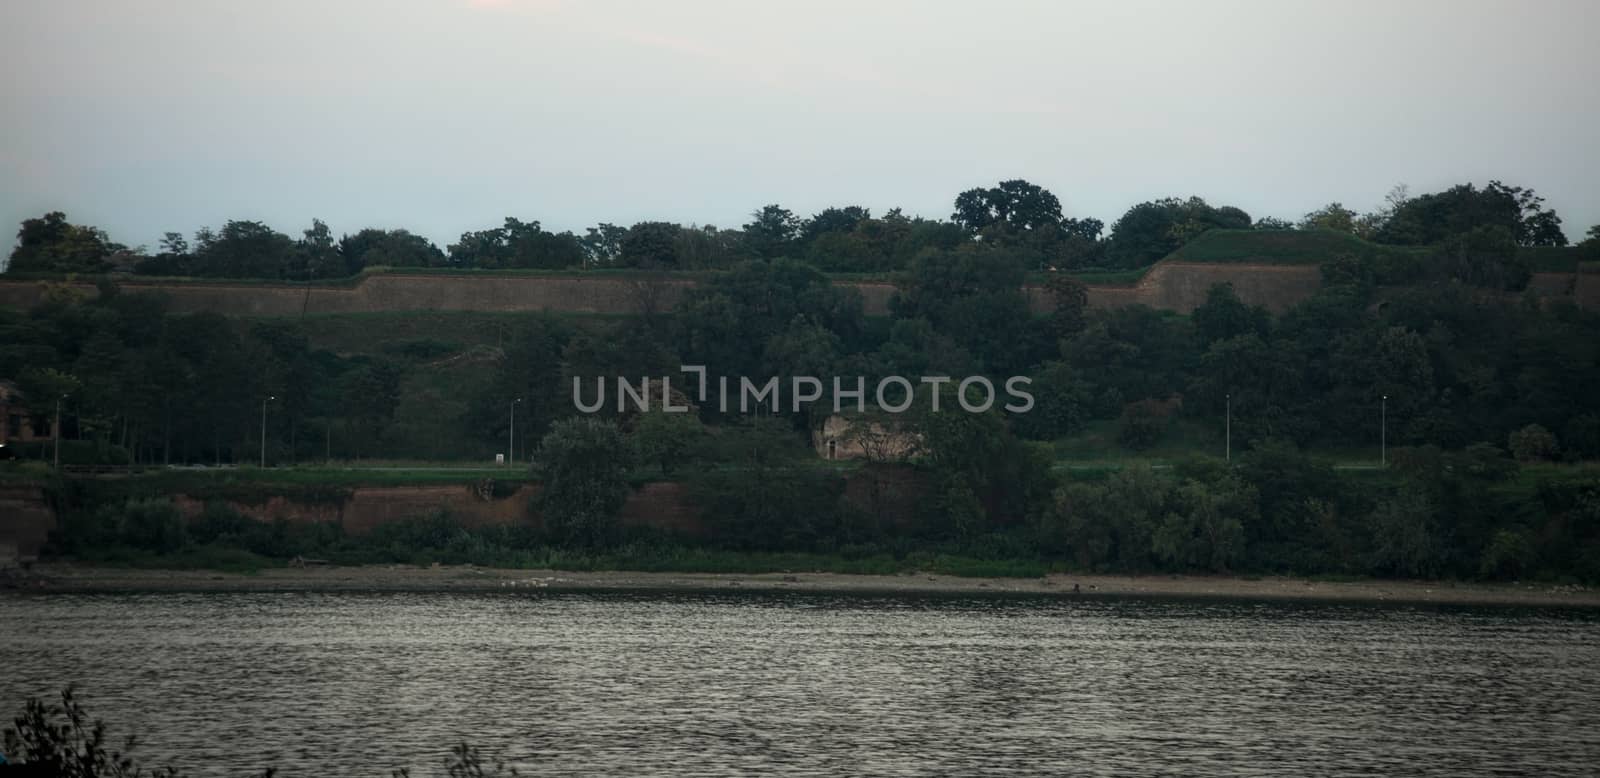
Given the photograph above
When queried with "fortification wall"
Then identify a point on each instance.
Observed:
(1175, 286)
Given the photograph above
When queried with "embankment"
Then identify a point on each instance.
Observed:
(27, 513)
(1172, 285)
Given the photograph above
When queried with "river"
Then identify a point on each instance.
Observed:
(730, 685)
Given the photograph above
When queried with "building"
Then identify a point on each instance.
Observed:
(856, 437)
(17, 424)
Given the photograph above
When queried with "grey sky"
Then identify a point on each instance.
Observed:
(448, 115)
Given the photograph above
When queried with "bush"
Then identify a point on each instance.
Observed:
(151, 524)
(1142, 424)
(1507, 556)
(1533, 443)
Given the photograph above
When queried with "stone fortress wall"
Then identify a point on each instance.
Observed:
(1170, 285)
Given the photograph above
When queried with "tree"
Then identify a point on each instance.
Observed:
(603, 244)
(1533, 443)
(669, 440)
(841, 220)
(582, 466)
(728, 323)
(1407, 537)
(51, 244)
(761, 500)
(518, 244)
(977, 453)
(1007, 210)
(650, 244)
(244, 249)
(772, 232)
(1150, 231)
(317, 256)
(974, 297)
(1432, 218)
(371, 393)
(1143, 423)
(529, 368)
(1110, 525)
(1223, 315)
(1484, 257)
(1591, 243)
(1070, 302)
(1205, 528)
(372, 247)
(1332, 216)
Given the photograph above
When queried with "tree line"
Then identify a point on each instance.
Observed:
(1424, 350)
(1015, 216)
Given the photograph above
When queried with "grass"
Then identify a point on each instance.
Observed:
(1280, 247)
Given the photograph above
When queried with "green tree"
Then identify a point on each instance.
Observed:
(1333, 216)
(1223, 315)
(582, 465)
(51, 244)
(1150, 231)
(244, 249)
(1485, 257)
(1432, 218)
(1205, 528)
(374, 247)
(1533, 443)
(975, 298)
(1407, 537)
(772, 232)
(650, 244)
(669, 440)
(1108, 526)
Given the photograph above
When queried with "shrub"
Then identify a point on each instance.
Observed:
(1508, 555)
(1142, 424)
(1533, 443)
(151, 524)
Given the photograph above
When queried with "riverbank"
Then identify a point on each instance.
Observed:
(66, 577)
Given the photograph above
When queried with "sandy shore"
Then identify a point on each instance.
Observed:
(59, 577)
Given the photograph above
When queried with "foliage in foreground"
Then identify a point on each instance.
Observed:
(61, 741)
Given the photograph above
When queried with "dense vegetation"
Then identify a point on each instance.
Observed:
(1476, 393)
(1023, 219)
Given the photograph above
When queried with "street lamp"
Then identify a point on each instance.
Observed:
(264, 428)
(1383, 432)
(1228, 429)
(511, 454)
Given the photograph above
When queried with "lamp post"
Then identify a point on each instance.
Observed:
(264, 428)
(511, 452)
(57, 431)
(1227, 426)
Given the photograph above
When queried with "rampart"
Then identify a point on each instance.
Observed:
(1171, 285)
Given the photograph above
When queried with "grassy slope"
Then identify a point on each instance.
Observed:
(1313, 247)
(1278, 247)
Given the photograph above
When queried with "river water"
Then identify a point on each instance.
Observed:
(732, 685)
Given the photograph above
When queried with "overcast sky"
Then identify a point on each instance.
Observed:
(448, 115)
